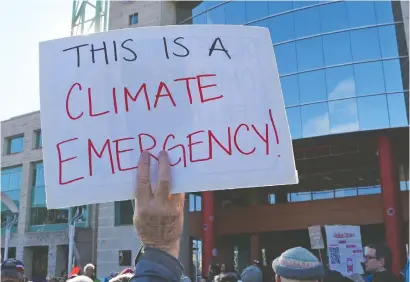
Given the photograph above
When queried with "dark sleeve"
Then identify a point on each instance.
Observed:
(385, 276)
(157, 266)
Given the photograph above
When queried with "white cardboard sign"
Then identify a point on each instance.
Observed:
(210, 95)
(316, 238)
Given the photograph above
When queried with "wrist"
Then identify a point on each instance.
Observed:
(172, 250)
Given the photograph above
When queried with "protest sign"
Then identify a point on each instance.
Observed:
(345, 251)
(316, 238)
(210, 95)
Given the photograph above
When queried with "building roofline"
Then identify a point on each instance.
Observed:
(20, 116)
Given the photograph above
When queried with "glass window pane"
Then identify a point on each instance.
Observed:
(345, 192)
(321, 195)
(361, 13)
(369, 190)
(340, 82)
(336, 48)
(388, 41)
(295, 123)
(235, 12)
(276, 7)
(309, 54)
(312, 86)
(333, 17)
(397, 110)
(343, 116)
(315, 119)
(198, 203)
(302, 3)
(38, 197)
(307, 22)
(286, 58)
(384, 12)
(290, 89)
(369, 78)
(365, 44)
(300, 197)
(373, 112)
(200, 8)
(393, 76)
(272, 199)
(191, 202)
(201, 19)
(282, 28)
(216, 16)
(256, 10)
(16, 145)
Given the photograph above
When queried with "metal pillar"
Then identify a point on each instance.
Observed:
(71, 235)
(9, 225)
(89, 16)
(208, 230)
(393, 221)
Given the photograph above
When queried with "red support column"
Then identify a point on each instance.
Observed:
(208, 230)
(393, 221)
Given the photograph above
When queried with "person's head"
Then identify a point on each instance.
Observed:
(122, 277)
(81, 278)
(297, 264)
(89, 270)
(378, 257)
(251, 274)
(227, 277)
(63, 274)
(223, 267)
(12, 270)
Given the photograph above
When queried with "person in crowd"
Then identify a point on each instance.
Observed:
(213, 271)
(81, 278)
(89, 271)
(226, 277)
(355, 277)
(378, 261)
(223, 268)
(63, 275)
(251, 274)
(335, 276)
(297, 264)
(12, 270)
(122, 277)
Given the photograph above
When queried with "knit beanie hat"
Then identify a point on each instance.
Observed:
(251, 274)
(299, 264)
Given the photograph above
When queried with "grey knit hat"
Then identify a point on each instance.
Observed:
(251, 274)
(299, 264)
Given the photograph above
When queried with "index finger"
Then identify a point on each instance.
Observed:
(143, 178)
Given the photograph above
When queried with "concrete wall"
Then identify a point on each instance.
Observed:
(23, 240)
(405, 15)
(112, 239)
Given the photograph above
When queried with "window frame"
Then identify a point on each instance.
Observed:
(131, 17)
(9, 141)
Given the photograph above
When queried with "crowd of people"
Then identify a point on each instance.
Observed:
(159, 219)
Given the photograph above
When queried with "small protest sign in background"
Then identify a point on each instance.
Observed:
(210, 95)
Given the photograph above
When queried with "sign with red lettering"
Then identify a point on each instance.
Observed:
(345, 251)
(210, 95)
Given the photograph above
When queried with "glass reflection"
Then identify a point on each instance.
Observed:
(309, 53)
(384, 12)
(361, 13)
(235, 12)
(322, 195)
(315, 119)
(312, 86)
(369, 78)
(340, 82)
(373, 190)
(397, 110)
(388, 41)
(336, 48)
(373, 112)
(286, 58)
(216, 16)
(393, 76)
(276, 7)
(343, 116)
(300, 4)
(365, 44)
(345, 192)
(333, 17)
(256, 10)
(282, 28)
(295, 123)
(16, 145)
(307, 22)
(201, 19)
(290, 89)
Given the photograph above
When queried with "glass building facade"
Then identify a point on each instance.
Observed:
(341, 65)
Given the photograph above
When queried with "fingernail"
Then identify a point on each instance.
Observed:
(162, 154)
(144, 158)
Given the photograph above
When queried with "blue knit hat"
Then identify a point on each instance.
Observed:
(299, 264)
